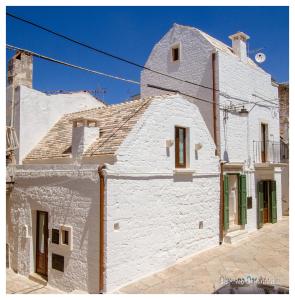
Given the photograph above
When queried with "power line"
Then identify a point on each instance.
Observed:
(120, 58)
(11, 47)
(104, 52)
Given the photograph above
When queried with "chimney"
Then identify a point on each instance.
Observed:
(239, 45)
(20, 70)
(84, 133)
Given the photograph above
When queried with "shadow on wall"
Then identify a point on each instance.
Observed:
(225, 156)
(91, 234)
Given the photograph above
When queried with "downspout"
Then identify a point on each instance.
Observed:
(217, 149)
(221, 206)
(101, 227)
(214, 104)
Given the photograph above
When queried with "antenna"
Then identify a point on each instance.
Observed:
(260, 57)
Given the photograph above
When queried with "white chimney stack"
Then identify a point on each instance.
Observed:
(239, 45)
(84, 133)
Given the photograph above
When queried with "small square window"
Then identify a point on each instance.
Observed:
(55, 236)
(58, 262)
(65, 237)
(175, 53)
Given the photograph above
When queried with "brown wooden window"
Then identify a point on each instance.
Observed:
(175, 53)
(180, 147)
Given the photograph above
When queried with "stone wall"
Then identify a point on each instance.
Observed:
(36, 113)
(71, 197)
(284, 111)
(195, 65)
(234, 79)
(154, 216)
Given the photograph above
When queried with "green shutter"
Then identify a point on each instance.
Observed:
(260, 204)
(242, 200)
(226, 203)
(273, 202)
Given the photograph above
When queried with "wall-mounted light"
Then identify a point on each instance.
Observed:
(243, 112)
(169, 143)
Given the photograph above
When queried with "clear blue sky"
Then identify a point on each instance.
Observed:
(131, 32)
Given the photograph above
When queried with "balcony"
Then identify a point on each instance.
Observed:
(270, 152)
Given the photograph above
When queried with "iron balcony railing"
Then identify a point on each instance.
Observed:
(270, 152)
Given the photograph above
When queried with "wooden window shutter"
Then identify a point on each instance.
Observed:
(242, 200)
(273, 202)
(226, 203)
(260, 204)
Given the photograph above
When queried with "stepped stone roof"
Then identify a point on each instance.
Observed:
(114, 122)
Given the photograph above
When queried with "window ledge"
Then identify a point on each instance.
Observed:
(183, 171)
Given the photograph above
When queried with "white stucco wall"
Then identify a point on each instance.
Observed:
(158, 213)
(36, 113)
(278, 179)
(71, 197)
(195, 65)
(238, 132)
(233, 78)
(285, 190)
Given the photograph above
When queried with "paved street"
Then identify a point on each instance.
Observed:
(17, 284)
(264, 253)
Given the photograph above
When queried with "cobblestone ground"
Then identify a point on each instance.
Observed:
(17, 284)
(263, 253)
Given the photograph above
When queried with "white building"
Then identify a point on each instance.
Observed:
(36, 112)
(111, 194)
(134, 185)
(241, 112)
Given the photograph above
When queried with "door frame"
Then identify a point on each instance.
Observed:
(236, 225)
(272, 212)
(266, 198)
(240, 224)
(46, 233)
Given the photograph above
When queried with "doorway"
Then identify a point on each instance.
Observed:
(267, 202)
(264, 134)
(42, 243)
(233, 202)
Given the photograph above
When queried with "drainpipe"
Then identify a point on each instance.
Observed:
(217, 149)
(214, 104)
(101, 227)
(221, 206)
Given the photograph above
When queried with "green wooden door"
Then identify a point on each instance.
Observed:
(226, 203)
(273, 202)
(260, 204)
(242, 200)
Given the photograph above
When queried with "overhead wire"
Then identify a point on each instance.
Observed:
(115, 56)
(10, 47)
(103, 51)
(44, 57)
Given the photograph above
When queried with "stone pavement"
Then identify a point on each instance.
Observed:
(263, 253)
(18, 284)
